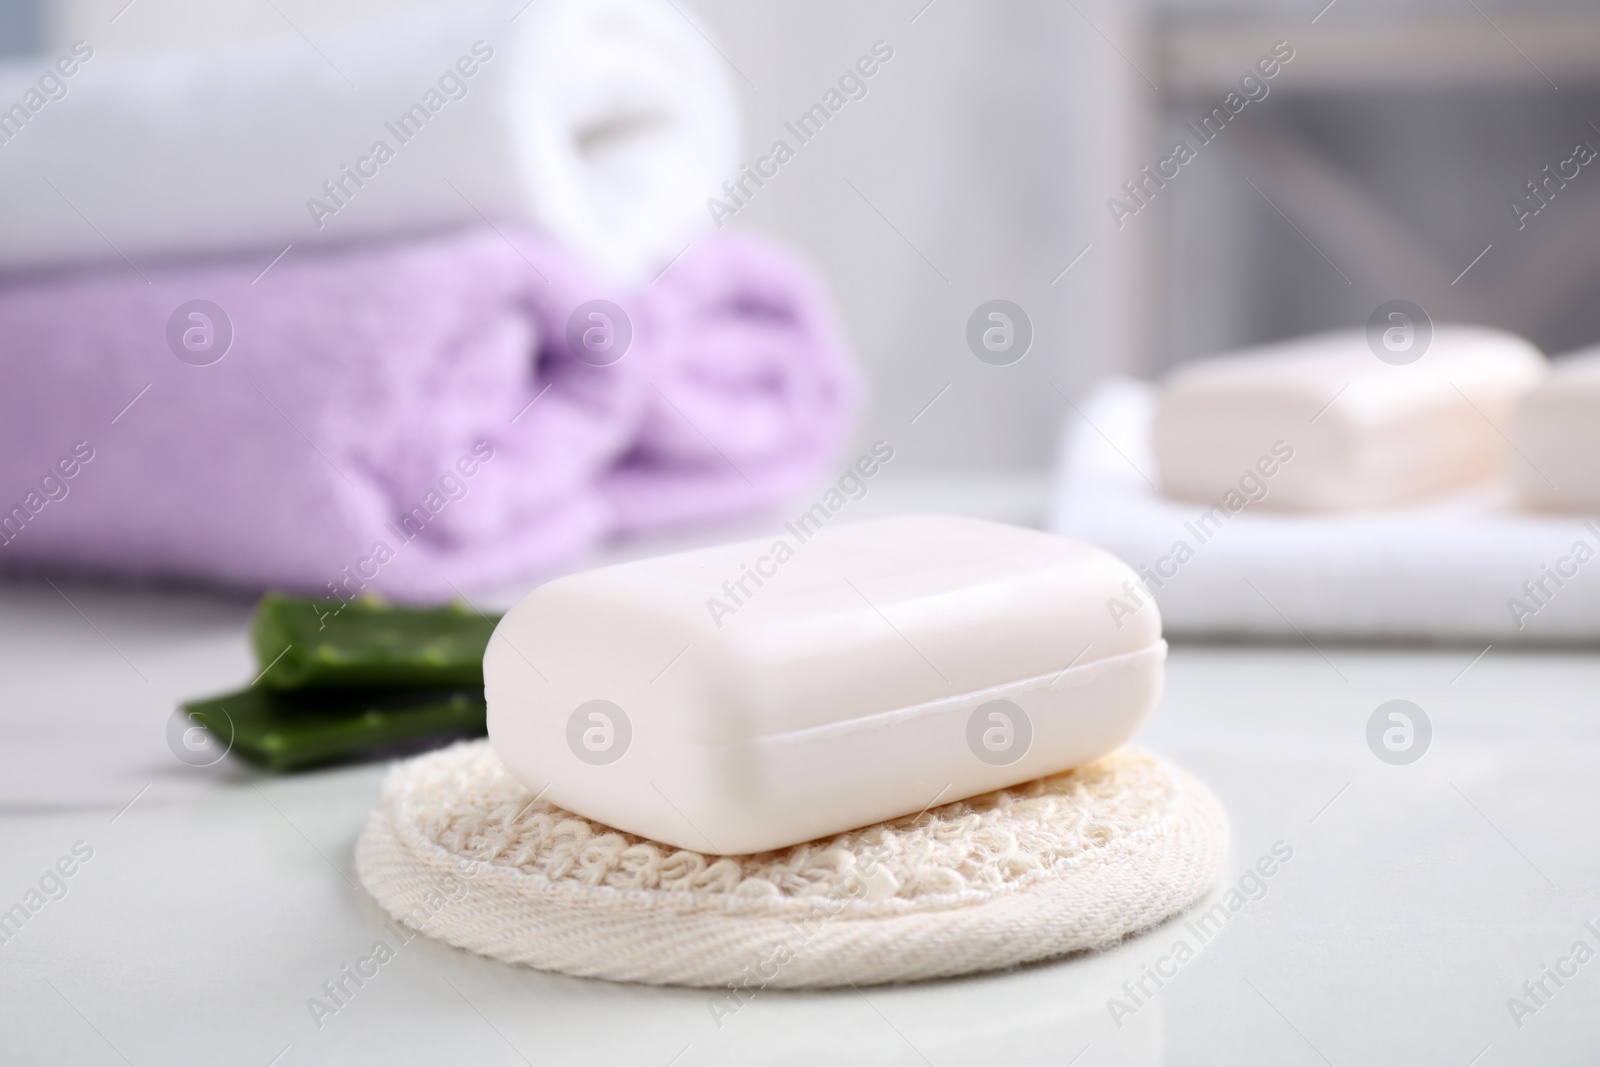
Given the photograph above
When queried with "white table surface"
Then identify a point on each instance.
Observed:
(218, 900)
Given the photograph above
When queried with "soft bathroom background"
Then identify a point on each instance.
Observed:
(979, 163)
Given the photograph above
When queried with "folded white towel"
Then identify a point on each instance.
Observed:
(605, 123)
(1465, 568)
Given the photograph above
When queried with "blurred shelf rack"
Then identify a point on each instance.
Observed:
(1384, 167)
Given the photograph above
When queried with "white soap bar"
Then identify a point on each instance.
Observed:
(1322, 424)
(756, 695)
(1555, 437)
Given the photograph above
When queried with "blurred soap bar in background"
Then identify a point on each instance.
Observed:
(1323, 424)
(1555, 437)
(755, 695)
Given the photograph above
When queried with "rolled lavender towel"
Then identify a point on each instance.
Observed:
(751, 389)
(419, 419)
(357, 429)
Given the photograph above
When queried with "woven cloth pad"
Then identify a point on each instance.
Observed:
(459, 850)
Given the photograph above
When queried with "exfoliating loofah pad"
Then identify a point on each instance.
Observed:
(459, 850)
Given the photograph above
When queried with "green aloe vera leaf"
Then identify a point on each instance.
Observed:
(284, 731)
(304, 643)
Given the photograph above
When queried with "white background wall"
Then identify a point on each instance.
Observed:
(986, 143)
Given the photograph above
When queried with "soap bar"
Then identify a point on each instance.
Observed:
(1555, 438)
(752, 696)
(305, 643)
(283, 731)
(1323, 424)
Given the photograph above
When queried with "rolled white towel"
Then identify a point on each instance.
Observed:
(1555, 437)
(1362, 432)
(606, 123)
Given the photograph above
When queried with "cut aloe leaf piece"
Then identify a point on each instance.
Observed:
(306, 643)
(284, 731)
